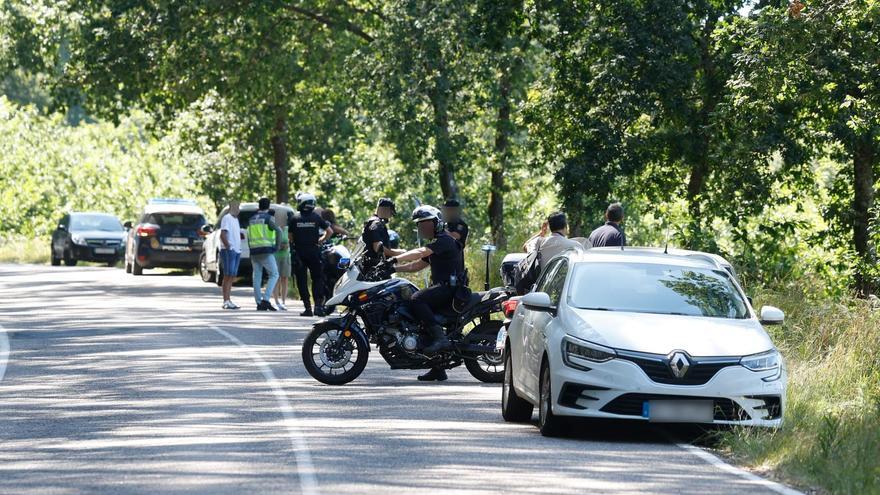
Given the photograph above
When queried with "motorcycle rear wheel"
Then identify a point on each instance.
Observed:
(332, 358)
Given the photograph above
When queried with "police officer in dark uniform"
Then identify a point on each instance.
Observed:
(307, 231)
(376, 234)
(444, 256)
(456, 227)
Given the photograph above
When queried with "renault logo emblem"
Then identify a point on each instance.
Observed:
(679, 364)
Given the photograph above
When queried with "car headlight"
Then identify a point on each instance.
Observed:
(574, 351)
(764, 361)
(78, 239)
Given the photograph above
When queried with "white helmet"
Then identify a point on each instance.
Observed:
(427, 212)
(305, 202)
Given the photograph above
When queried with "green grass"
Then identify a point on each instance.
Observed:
(20, 250)
(830, 437)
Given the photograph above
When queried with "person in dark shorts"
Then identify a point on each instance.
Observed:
(230, 252)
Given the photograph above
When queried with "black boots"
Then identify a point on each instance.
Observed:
(308, 311)
(441, 343)
(435, 375)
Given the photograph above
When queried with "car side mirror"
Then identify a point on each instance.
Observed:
(207, 228)
(127, 224)
(771, 315)
(538, 301)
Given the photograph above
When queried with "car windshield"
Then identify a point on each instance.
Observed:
(106, 223)
(656, 288)
(174, 219)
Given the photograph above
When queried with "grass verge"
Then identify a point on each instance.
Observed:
(831, 433)
(21, 250)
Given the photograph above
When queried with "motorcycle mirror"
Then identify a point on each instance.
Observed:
(344, 263)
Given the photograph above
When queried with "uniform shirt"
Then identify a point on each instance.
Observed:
(306, 229)
(609, 234)
(233, 232)
(446, 259)
(460, 228)
(375, 230)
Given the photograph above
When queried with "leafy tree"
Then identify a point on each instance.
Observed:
(823, 61)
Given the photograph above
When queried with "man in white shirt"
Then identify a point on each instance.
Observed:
(557, 242)
(230, 252)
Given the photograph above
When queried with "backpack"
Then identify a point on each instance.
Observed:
(527, 271)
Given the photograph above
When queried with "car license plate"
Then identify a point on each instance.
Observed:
(679, 411)
(176, 248)
(176, 240)
(104, 251)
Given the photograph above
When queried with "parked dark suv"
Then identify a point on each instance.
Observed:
(168, 235)
(82, 236)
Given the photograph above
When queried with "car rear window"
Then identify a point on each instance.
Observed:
(181, 219)
(656, 288)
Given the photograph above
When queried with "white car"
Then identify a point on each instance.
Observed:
(643, 335)
(210, 268)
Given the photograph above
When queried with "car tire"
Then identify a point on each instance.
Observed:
(136, 269)
(68, 259)
(514, 409)
(550, 424)
(112, 263)
(127, 267)
(56, 261)
(207, 275)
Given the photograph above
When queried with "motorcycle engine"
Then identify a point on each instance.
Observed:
(404, 336)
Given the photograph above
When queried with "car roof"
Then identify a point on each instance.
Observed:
(254, 207)
(173, 208)
(657, 256)
(95, 213)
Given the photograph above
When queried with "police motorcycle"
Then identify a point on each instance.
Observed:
(375, 313)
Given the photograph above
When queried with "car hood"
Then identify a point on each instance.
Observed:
(661, 334)
(99, 234)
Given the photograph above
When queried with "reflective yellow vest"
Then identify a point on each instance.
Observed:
(261, 236)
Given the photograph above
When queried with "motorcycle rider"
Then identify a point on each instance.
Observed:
(307, 231)
(375, 234)
(456, 227)
(444, 255)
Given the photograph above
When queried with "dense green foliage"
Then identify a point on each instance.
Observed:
(751, 129)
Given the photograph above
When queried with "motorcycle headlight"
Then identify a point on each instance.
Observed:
(78, 239)
(574, 352)
(762, 362)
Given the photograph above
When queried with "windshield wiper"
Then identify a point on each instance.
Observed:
(599, 309)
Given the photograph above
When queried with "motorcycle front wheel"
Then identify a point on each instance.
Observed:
(333, 358)
(489, 367)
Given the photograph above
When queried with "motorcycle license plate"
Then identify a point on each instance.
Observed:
(679, 411)
(500, 339)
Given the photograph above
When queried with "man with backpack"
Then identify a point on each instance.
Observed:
(542, 249)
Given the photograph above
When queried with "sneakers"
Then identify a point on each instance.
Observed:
(265, 306)
(230, 305)
(435, 375)
(280, 306)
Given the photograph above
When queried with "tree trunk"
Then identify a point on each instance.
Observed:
(864, 156)
(503, 128)
(280, 159)
(443, 149)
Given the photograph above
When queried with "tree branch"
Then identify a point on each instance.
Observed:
(333, 23)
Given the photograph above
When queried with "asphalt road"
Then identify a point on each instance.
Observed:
(122, 384)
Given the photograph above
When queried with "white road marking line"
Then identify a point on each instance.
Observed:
(720, 464)
(4, 351)
(304, 466)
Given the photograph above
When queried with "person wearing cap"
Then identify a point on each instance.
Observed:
(264, 239)
(307, 231)
(455, 226)
(444, 256)
(375, 234)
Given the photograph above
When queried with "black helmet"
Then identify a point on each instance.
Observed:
(452, 203)
(305, 202)
(387, 203)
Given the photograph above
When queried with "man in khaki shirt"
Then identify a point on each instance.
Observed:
(557, 242)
